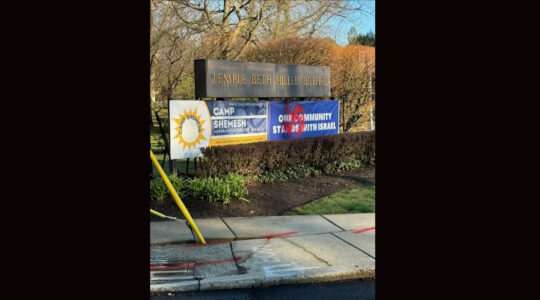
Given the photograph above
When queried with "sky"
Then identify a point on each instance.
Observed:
(364, 24)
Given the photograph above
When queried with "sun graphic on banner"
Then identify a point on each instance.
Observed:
(190, 129)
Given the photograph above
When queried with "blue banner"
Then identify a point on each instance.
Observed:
(235, 122)
(299, 119)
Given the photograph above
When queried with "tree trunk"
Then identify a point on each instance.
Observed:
(225, 26)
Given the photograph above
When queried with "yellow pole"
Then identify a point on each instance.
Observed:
(158, 213)
(177, 198)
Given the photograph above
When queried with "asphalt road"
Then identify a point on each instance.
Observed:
(355, 289)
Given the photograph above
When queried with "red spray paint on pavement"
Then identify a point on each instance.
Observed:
(364, 230)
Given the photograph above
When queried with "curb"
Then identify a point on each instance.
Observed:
(327, 274)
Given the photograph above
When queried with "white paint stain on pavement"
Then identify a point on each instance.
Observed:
(274, 265)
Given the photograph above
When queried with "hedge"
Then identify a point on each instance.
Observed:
(256, 158)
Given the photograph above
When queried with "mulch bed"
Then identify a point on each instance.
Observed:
(272, 199)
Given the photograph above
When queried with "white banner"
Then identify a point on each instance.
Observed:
(190, 128)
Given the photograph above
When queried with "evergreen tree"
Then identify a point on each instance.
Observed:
(367, 39)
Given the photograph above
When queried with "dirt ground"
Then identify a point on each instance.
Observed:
(273, 199)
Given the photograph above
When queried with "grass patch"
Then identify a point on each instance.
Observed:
(360, 200)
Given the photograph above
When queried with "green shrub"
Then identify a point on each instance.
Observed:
(158, 189)
(287, 158)
(179, 185)
(221, 191)
(198, 187)
(216, 189)
(212, 189)
(237, 184)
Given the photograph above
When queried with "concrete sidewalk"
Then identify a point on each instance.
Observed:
(241, 228)
(261, 251)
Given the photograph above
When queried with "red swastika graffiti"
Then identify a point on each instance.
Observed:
(295, 117)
